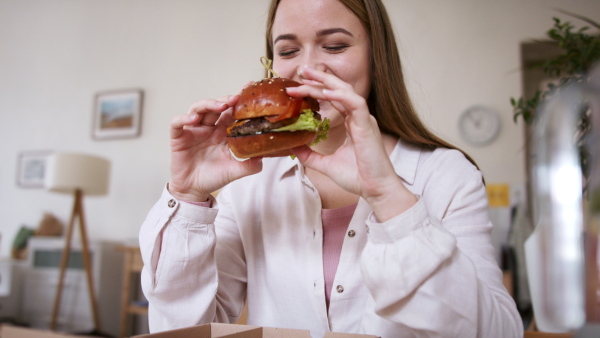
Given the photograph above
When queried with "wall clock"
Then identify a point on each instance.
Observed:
(479, 125)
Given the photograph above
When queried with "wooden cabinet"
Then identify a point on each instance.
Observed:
(40, 280)
(132, 303)
(10, 289)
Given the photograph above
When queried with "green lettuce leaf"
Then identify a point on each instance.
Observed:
(307, 121)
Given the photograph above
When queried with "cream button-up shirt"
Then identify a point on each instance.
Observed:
(429, 272)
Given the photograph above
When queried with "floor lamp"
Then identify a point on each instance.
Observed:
(76, 174)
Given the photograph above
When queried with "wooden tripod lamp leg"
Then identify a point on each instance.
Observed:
(87, 262)
(64, 259)
(77, 213)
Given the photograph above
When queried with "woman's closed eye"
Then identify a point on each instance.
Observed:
(287, 52)
(331, 48)
(336, 48)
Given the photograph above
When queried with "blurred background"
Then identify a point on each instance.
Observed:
(57, 56)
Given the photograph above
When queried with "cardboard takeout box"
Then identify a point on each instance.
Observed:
(215, 330)
(9, 331)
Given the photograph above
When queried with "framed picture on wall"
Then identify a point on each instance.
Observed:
(31, 168)
(117, 114)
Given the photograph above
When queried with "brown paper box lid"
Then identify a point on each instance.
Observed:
(252, 333)
(347, 335)
(9, 331)
(187, 332)
(214, 330)
(220, 330)
(274, 332)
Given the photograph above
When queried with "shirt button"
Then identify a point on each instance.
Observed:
(339, 289)
(171, 203)
(351, 233)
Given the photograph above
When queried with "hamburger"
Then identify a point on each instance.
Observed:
(269, 122)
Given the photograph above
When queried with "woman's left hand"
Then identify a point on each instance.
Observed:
(361, 164)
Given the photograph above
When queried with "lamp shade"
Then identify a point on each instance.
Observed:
(68, 172)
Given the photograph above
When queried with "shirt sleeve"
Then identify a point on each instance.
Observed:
(437, 257)
(179, 277)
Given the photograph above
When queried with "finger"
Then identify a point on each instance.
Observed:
(245, 168)
(328, 80)
(230, 100)
(309, 158)
(316, 93)
(332, 89)
(226, 117)
(345, 100)
(210, 120)
(210, 110)
(207, 106)
(311, 83)
(254, 165)
(304, 91)
(180, 121)
(195, 115)
(348, 99)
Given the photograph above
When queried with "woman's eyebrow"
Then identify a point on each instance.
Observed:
(285, 37)
(330, 31)
(320, 33)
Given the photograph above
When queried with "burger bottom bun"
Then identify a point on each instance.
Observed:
(274, 144)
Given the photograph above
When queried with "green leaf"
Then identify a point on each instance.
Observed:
(581, 51)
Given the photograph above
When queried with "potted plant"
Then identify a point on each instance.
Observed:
(578, 54)
(580, 51)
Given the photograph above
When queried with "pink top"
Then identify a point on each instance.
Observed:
(335, 224)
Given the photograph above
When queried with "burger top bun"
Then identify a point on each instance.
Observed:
(268, 97)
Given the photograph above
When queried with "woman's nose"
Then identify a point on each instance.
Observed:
(310, 59)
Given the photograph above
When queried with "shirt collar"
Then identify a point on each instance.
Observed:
(404, 157)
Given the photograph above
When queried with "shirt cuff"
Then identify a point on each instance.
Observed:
(206, 204)
(399, 226)
(196, 213)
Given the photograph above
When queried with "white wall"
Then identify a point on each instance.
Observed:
(55, 55)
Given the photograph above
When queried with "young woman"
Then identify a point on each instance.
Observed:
(381, 229)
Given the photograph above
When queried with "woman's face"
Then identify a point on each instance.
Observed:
(325, 35)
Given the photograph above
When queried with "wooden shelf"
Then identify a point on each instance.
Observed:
(138, 310)
(132, 266)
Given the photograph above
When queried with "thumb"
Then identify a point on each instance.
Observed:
(308, 157)
(248, 167)
(254, 164)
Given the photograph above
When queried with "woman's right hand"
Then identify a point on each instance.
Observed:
(200, 159)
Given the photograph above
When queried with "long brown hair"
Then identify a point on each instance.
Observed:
(388, 99)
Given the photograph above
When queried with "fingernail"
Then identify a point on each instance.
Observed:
(305, 67)
(193, 117)
(327, 91)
